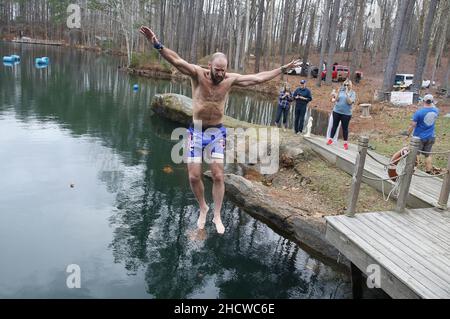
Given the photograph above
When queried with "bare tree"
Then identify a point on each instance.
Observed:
(447, 80)
(309, 41)
(284, 33)
(259, 34)
(394, 51)
(445, 10)
(332, 50)
(324, 41)
(197, 23)
(357, 45)
(424, 48)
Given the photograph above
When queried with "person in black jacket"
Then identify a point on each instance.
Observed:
(302, 96)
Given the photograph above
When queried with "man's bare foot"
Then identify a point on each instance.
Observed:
(202, 218)
(219, 226)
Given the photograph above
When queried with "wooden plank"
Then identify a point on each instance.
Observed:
(408, 228)
(438, 219)
(389, 282)
(397, 256)
(363, 255)
(415, 250)
(413, 223)
(434, 226)
(437, 216)
(426, 247)
(354, 235)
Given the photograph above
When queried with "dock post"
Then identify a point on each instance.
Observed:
(363, 143)
(405, 180)
(445, 190)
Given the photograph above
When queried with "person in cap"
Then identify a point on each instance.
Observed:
(302, 96)
(423, 126)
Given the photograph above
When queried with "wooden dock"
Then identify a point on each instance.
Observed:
(39, 41)
(423, 193)
(412, 250)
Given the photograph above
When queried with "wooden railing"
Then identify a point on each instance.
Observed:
(404, 178)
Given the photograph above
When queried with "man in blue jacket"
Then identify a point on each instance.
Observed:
(302, 96)
(423, 124)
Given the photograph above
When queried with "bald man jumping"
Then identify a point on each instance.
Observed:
(210, 89)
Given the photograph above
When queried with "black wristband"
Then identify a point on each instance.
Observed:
(158, 46)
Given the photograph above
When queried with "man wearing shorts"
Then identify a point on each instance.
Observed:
(210, 89)
(423, 124)
(208, 141)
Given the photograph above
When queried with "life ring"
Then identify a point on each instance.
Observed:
(395, 159)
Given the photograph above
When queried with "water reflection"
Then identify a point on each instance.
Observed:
(81, 114)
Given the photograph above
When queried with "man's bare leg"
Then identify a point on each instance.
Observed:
(218, 193)
(195, 179)
(428, 164)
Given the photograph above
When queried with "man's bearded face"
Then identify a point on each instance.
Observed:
(218, 70)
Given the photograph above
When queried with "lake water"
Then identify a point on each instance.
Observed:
(82, 182)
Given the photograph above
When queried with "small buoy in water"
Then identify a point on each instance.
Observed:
(8, 59)
(43, 60)
(168, 169)
(72, 185)
(135, 87)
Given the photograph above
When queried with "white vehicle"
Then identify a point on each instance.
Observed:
(297, 70)
(406, 80)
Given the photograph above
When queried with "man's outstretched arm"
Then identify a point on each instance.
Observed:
(171, 56)
(253, 79)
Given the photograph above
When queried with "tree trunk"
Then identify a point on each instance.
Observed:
(447, 80)
(247, 31)
(259, 35)
(357, 47)
(308, 42)
(299, 25)
(351, 24)
(334, 21)
(240, 22)
(284, 33)
(442, 39)
(394, 51)
(197, 23)
(325, 29)
(424, 48)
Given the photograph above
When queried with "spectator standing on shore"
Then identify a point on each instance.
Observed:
(342, 111)
(302, 96)
(284, 103)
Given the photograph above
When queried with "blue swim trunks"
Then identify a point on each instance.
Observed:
(206, 141)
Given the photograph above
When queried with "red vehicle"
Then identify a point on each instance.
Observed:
(341, 73)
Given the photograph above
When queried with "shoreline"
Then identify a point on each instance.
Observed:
(270, 91)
